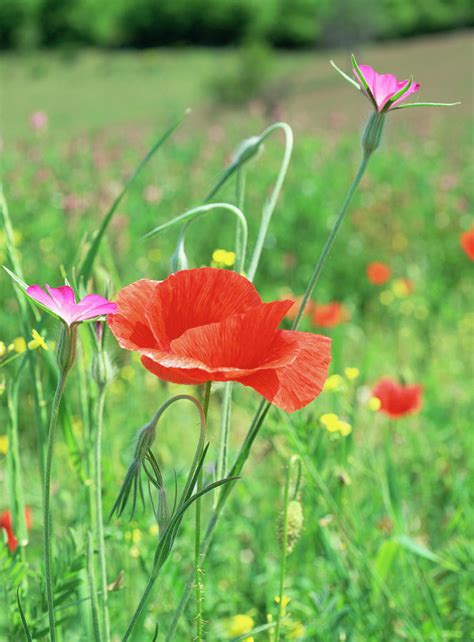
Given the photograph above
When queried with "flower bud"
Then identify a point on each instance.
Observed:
(294, 524)
(247, 149)
(66, 354)
(103, 372)
(373, 133)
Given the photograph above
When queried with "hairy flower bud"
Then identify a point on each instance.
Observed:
(294, 524)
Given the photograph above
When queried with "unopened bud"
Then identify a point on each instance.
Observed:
(373, 132)
(103, 372)
(66, 354)
(247, 149)
(294, 524)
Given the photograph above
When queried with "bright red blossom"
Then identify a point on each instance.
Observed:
(467, 243)
(328, 315)
(208, 324)
(7, 526)
(396, 399)
(378, 273)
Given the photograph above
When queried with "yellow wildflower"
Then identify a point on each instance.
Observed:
(154, 530)
(297, 631)
(351, 373)
(3, 349)
(374, 404)
(330, 421)
(238, 625)
(37, 341)
(223, 258)
(18, 345)
(284, 601)
(3, 444)
(344, 428)
(334, 382)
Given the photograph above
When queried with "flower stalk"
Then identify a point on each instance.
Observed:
(265, 406)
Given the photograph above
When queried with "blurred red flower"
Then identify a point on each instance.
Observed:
(327, 315)
(397, 400)
(467, 243)
(378, 273)
(208, 324)
(293, 311)
(7, 526)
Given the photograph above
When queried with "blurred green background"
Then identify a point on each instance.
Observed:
(386, 552)
(283, 23)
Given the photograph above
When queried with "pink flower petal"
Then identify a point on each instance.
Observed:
(92, 306)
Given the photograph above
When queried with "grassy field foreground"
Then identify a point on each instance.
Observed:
(385, 552)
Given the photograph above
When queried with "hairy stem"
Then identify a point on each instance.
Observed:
(100, 514)
(47, 548)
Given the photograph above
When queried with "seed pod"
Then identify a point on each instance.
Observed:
(294, 524)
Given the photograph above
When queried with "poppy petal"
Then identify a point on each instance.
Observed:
(293, 386)
(192, 298)
(175, 375)
(128, 324)
(242, 341)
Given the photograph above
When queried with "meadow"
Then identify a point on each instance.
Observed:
(385, 552)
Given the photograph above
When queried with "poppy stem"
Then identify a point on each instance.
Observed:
(197, 539)
(265, 405)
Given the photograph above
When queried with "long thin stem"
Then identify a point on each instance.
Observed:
(46, 503)
(197, 537)
(329, 243)
(265, 405)
(284, 552)
(270, 205)
(100, 513)
(93, 588)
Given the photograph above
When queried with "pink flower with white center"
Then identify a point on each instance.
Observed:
(383, 88)
(61, 302)
(38, 120)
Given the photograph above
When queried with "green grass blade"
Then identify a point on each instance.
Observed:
(85, 269)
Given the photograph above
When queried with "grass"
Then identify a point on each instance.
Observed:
(385, 553)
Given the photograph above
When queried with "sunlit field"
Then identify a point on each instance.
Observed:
(383, 518)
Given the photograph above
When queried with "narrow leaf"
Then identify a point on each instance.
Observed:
(344, 75)
(363, 81)
(424, 105)
(24, 623)
(86, 267)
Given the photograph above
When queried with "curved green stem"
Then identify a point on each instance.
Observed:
(100, 514)
(46, 504)
(195, 212)
(265, 405)
(270, 205)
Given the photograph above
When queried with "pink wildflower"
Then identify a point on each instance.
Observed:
(61, 302)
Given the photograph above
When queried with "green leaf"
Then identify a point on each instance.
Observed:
(383, 562)
(398, 95)
(85, 269)
(24, 623)
(363, 81)
(344, 75)
(424, 105)
(414, 547)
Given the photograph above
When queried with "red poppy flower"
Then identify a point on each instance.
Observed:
(397, 400)
(467, 243)
(6, 524)
(378, 273)
(208, 324)
(329, 314)
(293, 311)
